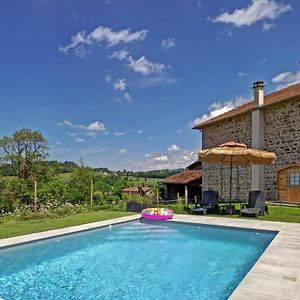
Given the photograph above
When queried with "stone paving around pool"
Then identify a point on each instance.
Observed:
(276, 274)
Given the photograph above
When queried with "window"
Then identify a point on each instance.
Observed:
(294, 179)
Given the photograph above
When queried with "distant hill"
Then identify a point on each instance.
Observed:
(58, 167)
(68, 166)
(152, 174)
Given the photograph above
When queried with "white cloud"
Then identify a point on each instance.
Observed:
(219, 108)
(161, 158)
(254, 12)
(103, 34)
(79, 140)
(120, 55)
(123, 151)
(243, 74)
(93, 150)
(268, 26)
(178, 131)
(120, 84)
(173, 148)
(144, 66)
(170, 160)
(140, 131)
(285, 79)
(94, 126)
(127, 97)
(119, 133)
(168, 43)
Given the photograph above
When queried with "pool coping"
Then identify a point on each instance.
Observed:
(275, 275)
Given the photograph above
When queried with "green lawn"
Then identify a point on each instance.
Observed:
(11, 227)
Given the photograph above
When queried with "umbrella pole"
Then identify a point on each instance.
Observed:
(230, 180)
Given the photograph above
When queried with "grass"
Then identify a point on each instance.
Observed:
(139, 181)
(64, 177)
(11, 227)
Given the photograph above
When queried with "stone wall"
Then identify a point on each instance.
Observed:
(282, 136)
(216, 176)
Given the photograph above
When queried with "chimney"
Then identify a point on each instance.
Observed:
(258, 135)
(258, 88)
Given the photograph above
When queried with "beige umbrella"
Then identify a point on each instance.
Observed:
(233, 153)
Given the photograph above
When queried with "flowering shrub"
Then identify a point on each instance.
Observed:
(48, 210)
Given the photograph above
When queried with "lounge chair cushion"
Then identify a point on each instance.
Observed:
(250, 211)
(199, 210)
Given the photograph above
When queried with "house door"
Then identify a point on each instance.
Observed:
(294, 187)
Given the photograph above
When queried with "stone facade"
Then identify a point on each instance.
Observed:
(282, 136)
(216, 176)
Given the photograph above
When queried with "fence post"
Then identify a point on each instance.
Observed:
(157, 198)
(35, 196)
(92, 187)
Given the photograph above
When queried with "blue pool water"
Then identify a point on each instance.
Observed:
(135, 260)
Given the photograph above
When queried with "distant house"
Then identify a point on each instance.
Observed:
(137, 191)
(187, 184)
(270, 123)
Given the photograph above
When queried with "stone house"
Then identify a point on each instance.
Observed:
(269, 122)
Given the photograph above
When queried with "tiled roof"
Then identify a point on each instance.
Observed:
(286, 93)
(184, 177)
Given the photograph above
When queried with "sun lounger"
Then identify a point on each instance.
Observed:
(256, 204)
(208, 203)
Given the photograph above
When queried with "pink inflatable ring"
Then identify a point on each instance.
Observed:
(156, 213)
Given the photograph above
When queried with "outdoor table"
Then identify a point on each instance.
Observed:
(227, 209)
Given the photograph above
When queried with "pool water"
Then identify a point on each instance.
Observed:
(134, 260)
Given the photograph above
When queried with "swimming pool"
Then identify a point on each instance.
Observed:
(134, 260)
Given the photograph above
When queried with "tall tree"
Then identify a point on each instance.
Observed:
(80, 182)
(23, 150)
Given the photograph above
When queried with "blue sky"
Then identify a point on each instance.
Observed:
(120, 83)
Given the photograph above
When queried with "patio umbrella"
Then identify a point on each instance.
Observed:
(232, 153)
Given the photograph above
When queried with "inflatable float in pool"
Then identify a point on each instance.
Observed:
(155, 213)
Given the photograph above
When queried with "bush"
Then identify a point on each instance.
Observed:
(112, 199)
(137, 199)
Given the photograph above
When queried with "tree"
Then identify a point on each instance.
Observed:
(80, 183)
(24, 150)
